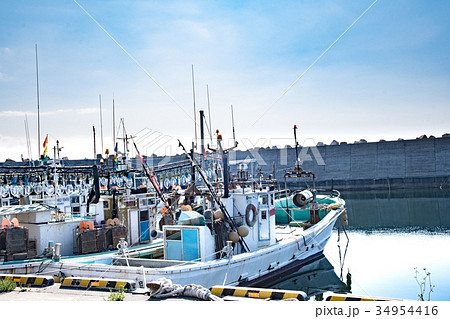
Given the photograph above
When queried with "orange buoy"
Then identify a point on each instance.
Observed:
(83, 226)
(15, 222)
(90, 225)
(6, 223)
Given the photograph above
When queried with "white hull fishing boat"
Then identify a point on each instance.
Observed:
(207, 240)
(285, 247)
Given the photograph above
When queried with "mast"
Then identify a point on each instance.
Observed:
(195, 112)
(38, 112)
(202, 140)
(114, 125)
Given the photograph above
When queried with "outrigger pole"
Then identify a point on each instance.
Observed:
(214, 195)
(152, 178)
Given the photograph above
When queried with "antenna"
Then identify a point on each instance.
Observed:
(95, 150)
(101, 123)
(195, 112)
(232, 121)
(38, 113)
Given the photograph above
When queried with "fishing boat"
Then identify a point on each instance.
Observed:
(207, 239)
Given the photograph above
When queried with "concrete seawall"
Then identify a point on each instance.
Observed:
(396, 164)
(381, 165)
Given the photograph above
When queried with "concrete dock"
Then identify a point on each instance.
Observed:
(55, 293)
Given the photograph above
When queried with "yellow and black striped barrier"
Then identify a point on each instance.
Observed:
(98, 284)
(259, 293)
(29, 280)
(358, 298)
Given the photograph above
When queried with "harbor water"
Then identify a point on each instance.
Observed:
(390, 236)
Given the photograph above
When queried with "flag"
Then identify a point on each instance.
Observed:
(45, 151)
(45, 142)
(116, 149)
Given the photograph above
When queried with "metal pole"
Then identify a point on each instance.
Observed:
(101, 122)
(95, 150)
(297, 162)
(38, 111)
(202, 139)
(195, 112)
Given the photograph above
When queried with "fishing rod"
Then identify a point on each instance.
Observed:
(214, 195)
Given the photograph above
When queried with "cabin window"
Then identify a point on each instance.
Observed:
(143, 216)
(173, 234)
(263, 200)
(143, 202)
(130, 202)
(75, 209)
(264, 214)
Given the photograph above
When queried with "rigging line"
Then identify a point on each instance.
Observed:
(133, 59)
(312, 64)
(209, 113)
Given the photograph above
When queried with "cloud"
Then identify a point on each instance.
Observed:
(6, 51)
(81, 111)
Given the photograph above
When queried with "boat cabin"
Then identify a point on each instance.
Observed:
(203, 236)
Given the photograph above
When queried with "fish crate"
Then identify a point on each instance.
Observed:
(113, 236)
(101, 239)
(14, 240)
(86, 242)
(32, 251)
(14, 243)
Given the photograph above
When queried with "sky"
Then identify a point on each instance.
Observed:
(276, 62)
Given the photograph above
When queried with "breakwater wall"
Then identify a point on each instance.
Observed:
(418, 163)
(380, 165)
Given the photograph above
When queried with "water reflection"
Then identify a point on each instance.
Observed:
(407, 208)
(315, 279)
